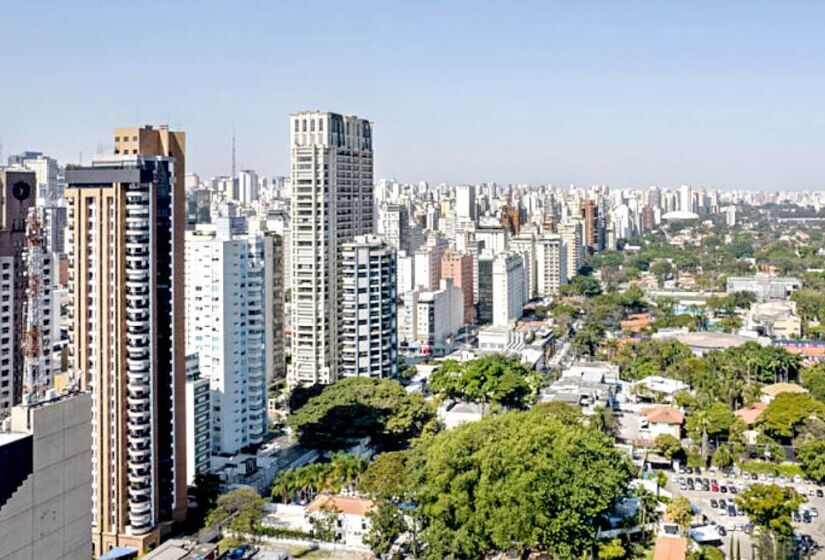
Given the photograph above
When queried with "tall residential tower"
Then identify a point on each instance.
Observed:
(332, 183)
(126, 224)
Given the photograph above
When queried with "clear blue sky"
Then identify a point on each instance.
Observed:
(624, 93)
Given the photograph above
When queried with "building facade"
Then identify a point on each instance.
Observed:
(225, 328)
(508, 288)
(332, 183)
(17, 188)
(369, 326)
(126, 223)
(46, 487)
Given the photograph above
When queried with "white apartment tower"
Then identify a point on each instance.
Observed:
(332, 183)
(571, 235)
(225, 327)
(369, 328)
(508, 288)
(465, 202)
(551, 265)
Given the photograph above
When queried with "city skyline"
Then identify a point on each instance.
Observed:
(599, 94)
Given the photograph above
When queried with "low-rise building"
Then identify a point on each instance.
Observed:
(776, 319)
(587, 384)
(770, 392)
(662, 420)
(764, 286)
(352, 516)
(656, 388)
(455, 413)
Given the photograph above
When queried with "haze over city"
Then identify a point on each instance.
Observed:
(716, 94)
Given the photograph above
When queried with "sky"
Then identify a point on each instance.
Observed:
(629, 94)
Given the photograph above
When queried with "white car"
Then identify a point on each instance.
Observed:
(731, 527)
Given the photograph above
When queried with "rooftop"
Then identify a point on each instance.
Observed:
(344, 504)
(778, 388)
(670, 548)
(663, 415)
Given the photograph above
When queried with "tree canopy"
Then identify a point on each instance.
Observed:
(518, 481)
(379, 409)
(787, 411)
(770, 507)
(492, 379)
(243, 508)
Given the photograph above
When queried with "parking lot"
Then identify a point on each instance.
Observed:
(716, 488)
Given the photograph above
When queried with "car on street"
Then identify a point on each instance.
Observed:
(714, 487)
(806, 517)
(814, 511)
(819, 493)
(714, 503)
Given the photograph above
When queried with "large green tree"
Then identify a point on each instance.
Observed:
(770, 507)
(492, 379)
(240, 510)
(517, 482)
(787, 411)
(358, 407)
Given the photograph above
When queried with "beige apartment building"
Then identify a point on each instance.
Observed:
(125, 246)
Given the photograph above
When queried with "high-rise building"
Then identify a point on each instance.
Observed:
(369, 327)
(465, 202)
(332, 182)
(46, 485)
(247, 186)
(508, 288)
(393, 226)
(17, 188)
(571, 235)
(685, 198)
(436, 316)
(551, 265)
(459, 269)
(589, 214)
(485, 288)
(225, 327)
(198, 421)
(126, 224)
(525, 244)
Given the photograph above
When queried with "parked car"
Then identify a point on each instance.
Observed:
(732, 489)
(732, 511)
(723, 504)
(714, 503)
(714, 487)
(796, 517)
(806, 517)
(814, 511)
(819, 493)
(723, 489)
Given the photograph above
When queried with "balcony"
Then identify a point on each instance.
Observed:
(140, 523)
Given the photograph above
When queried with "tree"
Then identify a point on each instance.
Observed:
(811, 455)
(241, 510)
(334, 416)
(341, 471)
(722, 457)
(668, 446)
(813, 379)
(770, 507)
(496, 379)
(384, 477)
(787, 411)
(387, 523)
(712, 421)
(611, 550)
(325, 522)
(681, 512)
(586, 286)
(476, 486)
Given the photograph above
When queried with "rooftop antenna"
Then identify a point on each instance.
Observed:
(233, 152)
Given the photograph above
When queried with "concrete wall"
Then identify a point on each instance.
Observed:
(49, 517)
